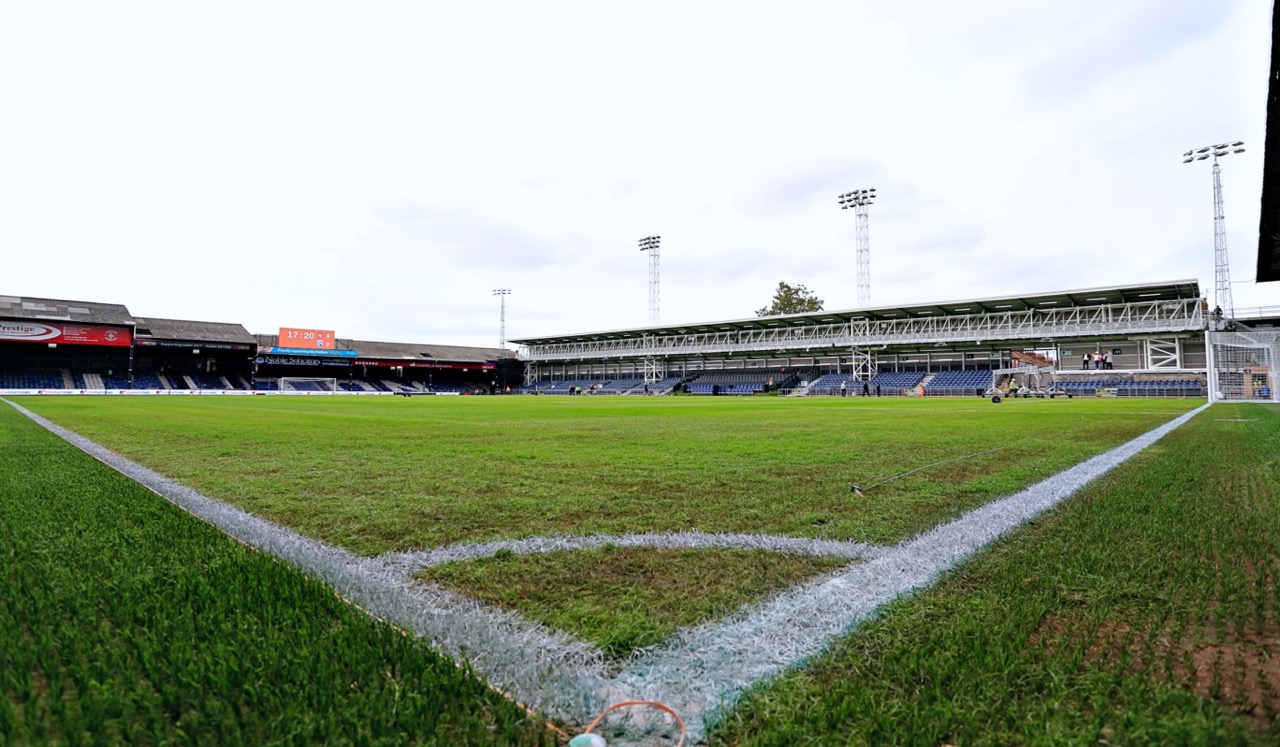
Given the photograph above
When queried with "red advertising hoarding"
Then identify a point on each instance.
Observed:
(423, 364)
(65, 334)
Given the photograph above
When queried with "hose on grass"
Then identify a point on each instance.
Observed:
(588, 739)
(856, 490)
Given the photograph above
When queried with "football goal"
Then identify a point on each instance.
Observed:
(307, 384)
(1244, 364)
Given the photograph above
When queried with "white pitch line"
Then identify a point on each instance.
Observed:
(412, 562)
(708, 667)
(705, 668)
(544, 668)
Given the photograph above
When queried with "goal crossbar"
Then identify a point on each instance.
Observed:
(307, 384)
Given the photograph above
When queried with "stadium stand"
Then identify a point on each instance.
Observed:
(829, 384)
(1168, 357)
(570, 386)
(400, 387)
(754, 381)
(96, 380)
(359, 385)
(890, 382)
(957, 383)
(33, 379)
(147, 380)
(663, 386)
(85, 380)
(114, 382)
(1151, 387)
(206, 381)
(896, 381)
(308, 386)
(452, 388)
(620, 386)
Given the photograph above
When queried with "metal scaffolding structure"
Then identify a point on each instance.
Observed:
(863, 362)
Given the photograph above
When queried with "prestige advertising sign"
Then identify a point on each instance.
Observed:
(68, 334)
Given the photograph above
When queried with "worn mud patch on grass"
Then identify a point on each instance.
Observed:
(1235, 667)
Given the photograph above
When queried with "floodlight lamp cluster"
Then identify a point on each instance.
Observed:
(857, 198)
(1222, 149)
(649, 242)
(502, 291)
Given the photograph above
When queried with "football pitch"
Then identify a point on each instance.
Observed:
(621, 522)
(374, 475)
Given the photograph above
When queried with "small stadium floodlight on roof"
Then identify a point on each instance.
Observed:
(1238, 150)
(1202, 157)
(1203, 150)
(1237, 144)
(1188, 153)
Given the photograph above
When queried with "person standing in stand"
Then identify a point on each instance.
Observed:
(1084, 362)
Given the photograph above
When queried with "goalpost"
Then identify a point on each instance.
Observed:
(1244, 364)
(307, 384)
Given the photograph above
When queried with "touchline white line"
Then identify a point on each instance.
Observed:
(702, 670)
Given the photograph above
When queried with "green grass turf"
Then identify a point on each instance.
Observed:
(380, 474)
(623, 599)
(125, 621)
(1142, 611)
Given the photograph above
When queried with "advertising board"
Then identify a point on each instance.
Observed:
(59, 333)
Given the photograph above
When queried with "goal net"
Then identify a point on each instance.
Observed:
(1245, 364)
(307, 384)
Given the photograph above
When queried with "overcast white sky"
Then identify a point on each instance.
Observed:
(379, 168)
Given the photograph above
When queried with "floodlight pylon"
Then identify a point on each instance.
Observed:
(650, 244)
(502, 293)
(860, 200)
(1221, 266)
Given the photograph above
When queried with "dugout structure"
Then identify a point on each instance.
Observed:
(1244, 363)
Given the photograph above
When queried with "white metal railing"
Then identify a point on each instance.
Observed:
(1158, 317)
